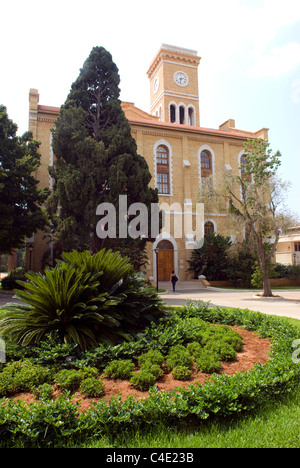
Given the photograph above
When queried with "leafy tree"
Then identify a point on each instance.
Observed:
(255, 198)
(96, 159)
(211, 260)
(20, 198)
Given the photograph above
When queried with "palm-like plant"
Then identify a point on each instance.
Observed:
(85, 299)
(136, 303)
(63, 302)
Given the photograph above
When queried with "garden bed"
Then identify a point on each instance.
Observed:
(263, 371)
(255, 351)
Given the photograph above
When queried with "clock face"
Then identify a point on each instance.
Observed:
(156, 85)
(181, 78)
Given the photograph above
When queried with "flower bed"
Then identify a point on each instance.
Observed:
(45, 421)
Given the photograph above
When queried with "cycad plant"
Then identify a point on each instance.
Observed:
(136, 303)
(64, 302)
(86, 299)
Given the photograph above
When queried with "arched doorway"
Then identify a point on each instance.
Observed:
(165, 260)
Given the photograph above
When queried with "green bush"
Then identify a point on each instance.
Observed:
(194, 348)
(92, 387)
(43, 392)
(153, 356)
(143, 380)
(208, 363)
(21, 376)
(119, 369)
(182, 373)
(68, 379)
(179, 356)
(154, 369)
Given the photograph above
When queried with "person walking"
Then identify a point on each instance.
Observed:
(173, 279)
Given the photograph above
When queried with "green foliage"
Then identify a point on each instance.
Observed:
(96, 160)
(153, 356)
(86, 299)
(21, 376)
(45, 423)
(20, 197)
(143, 380)
(179, 356)
(208, 362)
(68, 379)
(154, 369)
(43, 392)
(182, 373)
(119, 369)
(92, 387)
(211, 260)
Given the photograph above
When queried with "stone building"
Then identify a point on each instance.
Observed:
(180, 153)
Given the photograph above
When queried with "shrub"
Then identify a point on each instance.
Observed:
(119, 369)
(154, 369)
(143, 380)
(153, 356)
(182, 373)
(208, 363)
(68, 379)
(43, 392)
(22, 376)
(179, 356)
(222, 350)
(92, 387)
(194, 348)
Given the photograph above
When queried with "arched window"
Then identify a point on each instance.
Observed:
(206, 164)
(191, 115)
(181, 115)
(243, 165)
(209, 228)
(172, 113)
(163, 169)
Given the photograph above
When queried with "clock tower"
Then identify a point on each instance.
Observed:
(174, 94)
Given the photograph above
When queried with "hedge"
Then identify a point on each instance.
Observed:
(43, 423)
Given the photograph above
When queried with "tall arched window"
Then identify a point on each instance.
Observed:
(181, 115)
(163, 169)
(191, 116)
(172, 113)
(209, 228)
(243, 165)
(206, 164)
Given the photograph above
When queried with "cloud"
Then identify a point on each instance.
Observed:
(279, 61)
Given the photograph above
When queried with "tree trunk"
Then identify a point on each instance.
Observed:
(266, 281)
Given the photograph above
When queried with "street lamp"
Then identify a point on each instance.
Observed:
(156, 250)
(295, 256)
(30, 248)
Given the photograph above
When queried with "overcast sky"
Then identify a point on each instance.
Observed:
(250, 50)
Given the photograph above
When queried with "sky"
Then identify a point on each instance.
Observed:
(249, 49)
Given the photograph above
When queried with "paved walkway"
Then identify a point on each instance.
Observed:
(286, 305)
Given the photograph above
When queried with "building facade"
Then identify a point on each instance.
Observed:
(180, 154)
(288, 248)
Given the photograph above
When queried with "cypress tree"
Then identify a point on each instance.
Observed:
(96, 159)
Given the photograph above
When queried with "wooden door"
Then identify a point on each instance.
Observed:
(165, 264)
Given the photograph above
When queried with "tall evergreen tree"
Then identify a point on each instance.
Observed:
(20, 198)
(96, 158)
